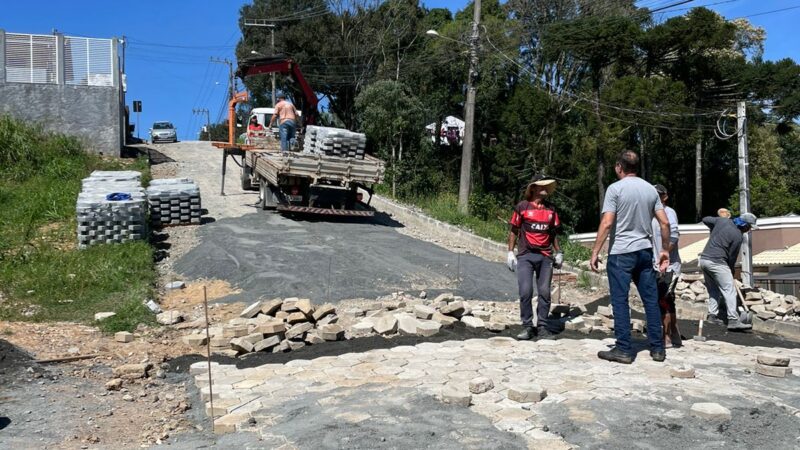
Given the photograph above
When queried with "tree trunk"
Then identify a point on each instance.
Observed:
(599, 155)
(698, 173)
(642, 157)
(394, 175)
(400, 158)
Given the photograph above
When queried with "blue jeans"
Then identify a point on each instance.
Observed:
(542, 266)
(287, 130)
(637, 267)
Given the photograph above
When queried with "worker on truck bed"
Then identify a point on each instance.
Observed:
(286, 114)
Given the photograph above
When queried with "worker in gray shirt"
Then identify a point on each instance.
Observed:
(718, 261)
(628, 209)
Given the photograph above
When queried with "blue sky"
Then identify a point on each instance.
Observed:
(170, 43)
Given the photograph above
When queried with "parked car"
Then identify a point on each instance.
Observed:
(163, 132)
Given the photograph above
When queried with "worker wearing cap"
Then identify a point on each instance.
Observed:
(534, 224)
(718, 261)
(668, 279)
(286, 115)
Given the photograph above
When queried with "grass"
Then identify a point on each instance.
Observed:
(43, 277)
(444, 207)
(584, 280)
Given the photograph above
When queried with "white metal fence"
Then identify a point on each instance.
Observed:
(87, 62)
(32, 58)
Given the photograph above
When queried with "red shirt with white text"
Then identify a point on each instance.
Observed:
(536, 226)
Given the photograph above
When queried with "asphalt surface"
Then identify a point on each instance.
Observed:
(269, 255)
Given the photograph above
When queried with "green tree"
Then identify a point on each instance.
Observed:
(388, 114)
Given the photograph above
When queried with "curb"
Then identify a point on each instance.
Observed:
(480, 246)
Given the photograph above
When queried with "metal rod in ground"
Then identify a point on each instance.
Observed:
(208, 358)
(458, 269)
(559, 274)
(330, 261)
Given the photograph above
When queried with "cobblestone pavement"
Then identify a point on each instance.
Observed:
(589, 402)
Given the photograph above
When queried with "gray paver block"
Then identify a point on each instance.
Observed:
(423, 312)
(711, 411)
(456, 397)
(480, 385)
(428, 328)
(385, 325)
(332, 332)
(473, 322)
(773, 360)
(682, 371)
(773, 371)
(526, 393)
(251, 310)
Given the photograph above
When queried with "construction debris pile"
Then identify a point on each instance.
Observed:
(174, 201)
(764, 304)
(111, 208)
(334, 142)
(289, 324)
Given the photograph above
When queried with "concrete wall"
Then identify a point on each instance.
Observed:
(92, 113)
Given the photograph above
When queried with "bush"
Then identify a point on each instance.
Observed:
(42, 275)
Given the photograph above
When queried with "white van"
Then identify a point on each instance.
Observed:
(264, 115)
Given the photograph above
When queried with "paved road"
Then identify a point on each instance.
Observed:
(266, 254)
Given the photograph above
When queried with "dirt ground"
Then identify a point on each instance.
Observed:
(67, 404)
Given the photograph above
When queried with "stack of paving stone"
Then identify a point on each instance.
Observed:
(284, 325)
(273, 326)
(334, 142)
(772, 365)
(174, 201)
(101, 220)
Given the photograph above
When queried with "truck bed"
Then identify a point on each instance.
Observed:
(271, 164)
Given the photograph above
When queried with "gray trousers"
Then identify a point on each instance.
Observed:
(719, 282)
(542, 266)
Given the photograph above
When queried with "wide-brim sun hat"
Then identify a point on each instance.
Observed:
(541, 181)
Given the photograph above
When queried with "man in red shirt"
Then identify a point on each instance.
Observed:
(534, 224)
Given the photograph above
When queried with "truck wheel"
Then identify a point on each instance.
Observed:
(267, 194)
(247, 172)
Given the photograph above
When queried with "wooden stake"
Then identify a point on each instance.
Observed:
(208, 358)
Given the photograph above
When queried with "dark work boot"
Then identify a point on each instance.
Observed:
(615, 355)
(658, 356)
(736, 325)
(714, 320)
(527, 334)
(544, 333)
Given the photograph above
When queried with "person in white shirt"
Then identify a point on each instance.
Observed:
(668, 279)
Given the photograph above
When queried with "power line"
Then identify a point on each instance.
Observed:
(770, 12)
(579, 98)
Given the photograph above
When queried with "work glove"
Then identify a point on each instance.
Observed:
(558, 260)
(511, 261)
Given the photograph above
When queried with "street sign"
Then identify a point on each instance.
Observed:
(137, 106)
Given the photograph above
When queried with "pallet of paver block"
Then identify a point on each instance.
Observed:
(111, 208)
(174, 201)
(334, 142)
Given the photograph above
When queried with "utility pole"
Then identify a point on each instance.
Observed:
(266, 24)
(208, 119)
(744, 191)
(231, 80)
(272, 41)
(469, 115)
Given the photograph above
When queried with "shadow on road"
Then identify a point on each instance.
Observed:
(379, 218)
